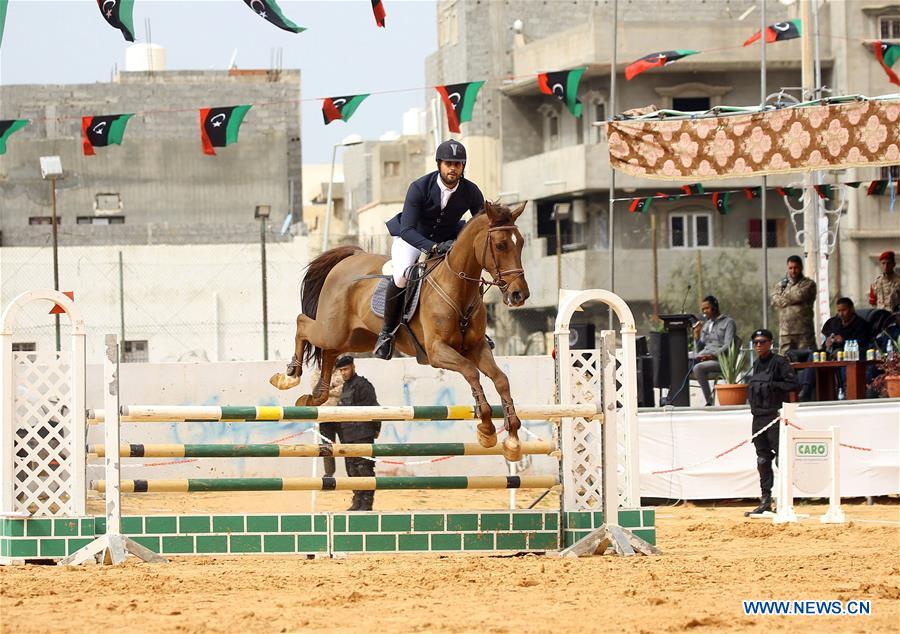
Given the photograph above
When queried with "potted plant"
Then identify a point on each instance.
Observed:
(735, 364)
(888, 383)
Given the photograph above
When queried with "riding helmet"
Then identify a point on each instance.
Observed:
(450, 151)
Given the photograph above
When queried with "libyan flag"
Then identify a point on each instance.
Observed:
(378, 10)
(887, 54)
(102, 131)
(459, 100)
(7, 128)
(118, 13)
(722, 201)
(655, 60)
(219, 126)
(640, 205)
(563, 84)
(341, 108)
(268, 10)
(778, 32)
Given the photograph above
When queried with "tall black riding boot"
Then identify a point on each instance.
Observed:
(393, 307)
(765, 504)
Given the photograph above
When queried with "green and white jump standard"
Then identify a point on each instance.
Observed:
(43, 465)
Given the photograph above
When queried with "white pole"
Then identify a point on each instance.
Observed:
(765, 181)
(835, 514)
(327, 228)
(609, 430)
(785, 495)
(112, 461)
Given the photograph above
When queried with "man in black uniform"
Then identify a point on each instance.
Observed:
(770, 381)
(429, 223)
(358, 391)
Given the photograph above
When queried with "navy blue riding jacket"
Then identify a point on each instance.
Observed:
(423, 223)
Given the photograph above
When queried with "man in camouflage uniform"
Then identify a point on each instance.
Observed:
(794, 297)
(885, 290)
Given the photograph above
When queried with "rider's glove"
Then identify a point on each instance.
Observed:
(442, 248)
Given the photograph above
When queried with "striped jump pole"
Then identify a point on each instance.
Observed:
(336, 450)
(262, 413)
(197, 485)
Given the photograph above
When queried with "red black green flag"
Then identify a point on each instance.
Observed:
(787, 191)
(640, 205)
(118, 13)
(378, 10)
(722, 201)
(219, 126)
(779, 32)
(3, 4)
(563, 84)
(341, 108)
(887, 54)
(269, 10)
(7, 128)
(877, 188)
(692, 190)
(824, 191)
(854, 184)
(752, 192)
(655, 60)
(102, 131)
(665, 196)
(459, 100)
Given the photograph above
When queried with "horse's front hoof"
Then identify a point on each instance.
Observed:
(512, 449)
(487, 440)
(283, 381)
(304, 400)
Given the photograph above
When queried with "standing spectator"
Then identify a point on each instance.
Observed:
(358, 391)
(711, 337)
(885, 290)
(771, 378)
(793, 297)
(330, 430)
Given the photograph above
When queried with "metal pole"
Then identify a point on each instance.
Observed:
(55, 257)
(811, 210)
(763, 195)
(654, 248)
(121, 310)
(558, 255)
(265, 296)
(328, 204)
(611, 113)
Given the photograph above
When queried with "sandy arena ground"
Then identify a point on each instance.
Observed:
(712, 559)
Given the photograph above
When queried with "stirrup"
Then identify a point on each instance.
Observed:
(385, 340)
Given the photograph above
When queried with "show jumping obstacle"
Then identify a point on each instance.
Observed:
(42, 464)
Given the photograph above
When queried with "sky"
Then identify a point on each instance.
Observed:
(342, 52)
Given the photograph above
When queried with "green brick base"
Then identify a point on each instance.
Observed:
(318, 534)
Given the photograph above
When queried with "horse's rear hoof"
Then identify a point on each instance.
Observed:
(512, 450)
(283, 381)
(487, 440)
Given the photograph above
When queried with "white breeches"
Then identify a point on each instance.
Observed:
(403, 256)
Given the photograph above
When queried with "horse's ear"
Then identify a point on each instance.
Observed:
(490, 210)
(518, 212)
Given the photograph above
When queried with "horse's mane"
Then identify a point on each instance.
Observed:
(504, 217)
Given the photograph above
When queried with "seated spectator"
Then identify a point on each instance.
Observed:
(711, 336)
(846, 326)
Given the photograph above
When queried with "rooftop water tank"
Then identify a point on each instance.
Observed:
(145, 57)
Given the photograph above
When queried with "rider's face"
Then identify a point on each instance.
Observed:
(451, 172)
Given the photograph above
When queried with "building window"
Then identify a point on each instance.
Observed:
(43, 220)
(776, 233)
(24, 346)
(551, 127)
(890, 172)
(691, 104)
(596, 109)
(100, 220)
(390, 168)
(136, 351)
(106, 203)
(889, 27)
(690, 230)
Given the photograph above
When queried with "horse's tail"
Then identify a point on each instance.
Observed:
(316, 272)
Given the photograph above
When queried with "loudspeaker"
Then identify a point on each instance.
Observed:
(645, 382)
(581, 337)
(659, 350)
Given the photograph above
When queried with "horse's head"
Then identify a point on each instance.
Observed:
(501, 252)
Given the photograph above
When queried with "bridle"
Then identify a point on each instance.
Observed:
(498, 276)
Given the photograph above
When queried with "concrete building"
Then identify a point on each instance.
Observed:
(526, 146)
(158, 186)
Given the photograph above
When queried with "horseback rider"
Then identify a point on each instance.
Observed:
(429, 223)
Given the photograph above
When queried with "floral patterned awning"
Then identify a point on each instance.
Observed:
(796, 139)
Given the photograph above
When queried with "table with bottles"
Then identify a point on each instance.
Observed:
(828, 387)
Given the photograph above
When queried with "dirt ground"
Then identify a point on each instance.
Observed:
(712, 559)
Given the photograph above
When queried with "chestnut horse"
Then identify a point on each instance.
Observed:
(449, 323)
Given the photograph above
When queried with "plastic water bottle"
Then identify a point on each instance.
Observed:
(853, 353)
(840, 394)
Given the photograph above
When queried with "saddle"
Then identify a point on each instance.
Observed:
(410, 304)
